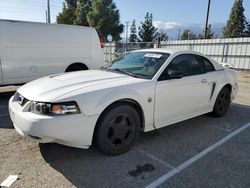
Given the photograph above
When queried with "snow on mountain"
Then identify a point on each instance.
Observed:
(173, 28)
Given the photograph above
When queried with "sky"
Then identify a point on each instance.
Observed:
(166, 13)
(178, 11)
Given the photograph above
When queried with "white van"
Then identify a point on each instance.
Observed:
(31, 50)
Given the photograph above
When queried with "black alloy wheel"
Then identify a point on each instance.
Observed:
(118, 129)
(222, 103)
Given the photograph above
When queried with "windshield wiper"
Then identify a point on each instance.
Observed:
(139, 75)
(135, 75)
(123, 71)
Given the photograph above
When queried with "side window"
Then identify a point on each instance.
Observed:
(187, 64)
(208, 65)
(192, 66)
(174, 65)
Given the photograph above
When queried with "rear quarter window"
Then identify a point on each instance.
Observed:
(208, 65)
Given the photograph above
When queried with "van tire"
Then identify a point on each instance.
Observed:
(76, 67)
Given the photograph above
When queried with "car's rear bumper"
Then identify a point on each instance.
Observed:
(72, 130)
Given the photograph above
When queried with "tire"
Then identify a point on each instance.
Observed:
(76, 67)
(222, 103)
(118, 129)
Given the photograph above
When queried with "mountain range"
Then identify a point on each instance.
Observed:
(173, 29)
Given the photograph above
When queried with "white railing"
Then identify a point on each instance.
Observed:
(235, 51)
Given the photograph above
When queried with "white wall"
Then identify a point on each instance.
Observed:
(235, 51)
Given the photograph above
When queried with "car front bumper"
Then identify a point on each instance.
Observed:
(234, 91)
(71, 130)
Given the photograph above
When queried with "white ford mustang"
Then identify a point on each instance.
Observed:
(142, 91)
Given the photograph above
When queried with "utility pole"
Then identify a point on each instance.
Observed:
(206, 26)
(48, 10)
(46, 14)
(127, 31)
(179, 34)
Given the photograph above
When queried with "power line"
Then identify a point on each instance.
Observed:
(14, 9)
(30, 1)
(35, 4)
(56, 4)
(24, 3)
(40, 7)
(21, 11)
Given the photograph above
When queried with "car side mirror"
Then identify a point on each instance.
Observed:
(173, 74)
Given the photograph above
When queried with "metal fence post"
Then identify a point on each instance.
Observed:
(110, 51)
(223, 53)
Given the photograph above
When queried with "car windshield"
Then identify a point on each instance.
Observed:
(138, 64)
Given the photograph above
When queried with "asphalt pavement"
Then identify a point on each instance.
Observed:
(155, 155)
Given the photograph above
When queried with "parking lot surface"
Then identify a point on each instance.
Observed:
(156, 155)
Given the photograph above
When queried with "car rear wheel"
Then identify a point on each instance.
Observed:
(118, 129)
(222, 103)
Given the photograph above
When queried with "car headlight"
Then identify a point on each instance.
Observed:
(55, 108)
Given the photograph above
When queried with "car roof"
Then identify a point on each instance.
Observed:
(168, 50)
(161, 50)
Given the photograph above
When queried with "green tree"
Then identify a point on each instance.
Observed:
(188, 35)
(237, 21)
(71, 3)
(248, 30)
(75, 12)
(163, 35)
(81, 11)
(133, 33)
(147, 31)
(67, 16)
(105, 17)
(210, 33)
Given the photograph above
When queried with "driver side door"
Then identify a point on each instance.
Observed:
(177, 99)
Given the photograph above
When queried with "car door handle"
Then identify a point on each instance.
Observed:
(204, 81)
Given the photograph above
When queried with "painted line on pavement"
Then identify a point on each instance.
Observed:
(222, 128)
(164, 163)
(195, 158)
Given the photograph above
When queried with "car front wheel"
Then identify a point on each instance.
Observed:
(222, 103)
(118, 129)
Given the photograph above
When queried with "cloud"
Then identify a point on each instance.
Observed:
(165, 25)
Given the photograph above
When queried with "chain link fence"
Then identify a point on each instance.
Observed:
(114, 50)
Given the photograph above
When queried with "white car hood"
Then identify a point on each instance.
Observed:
(49, 88)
